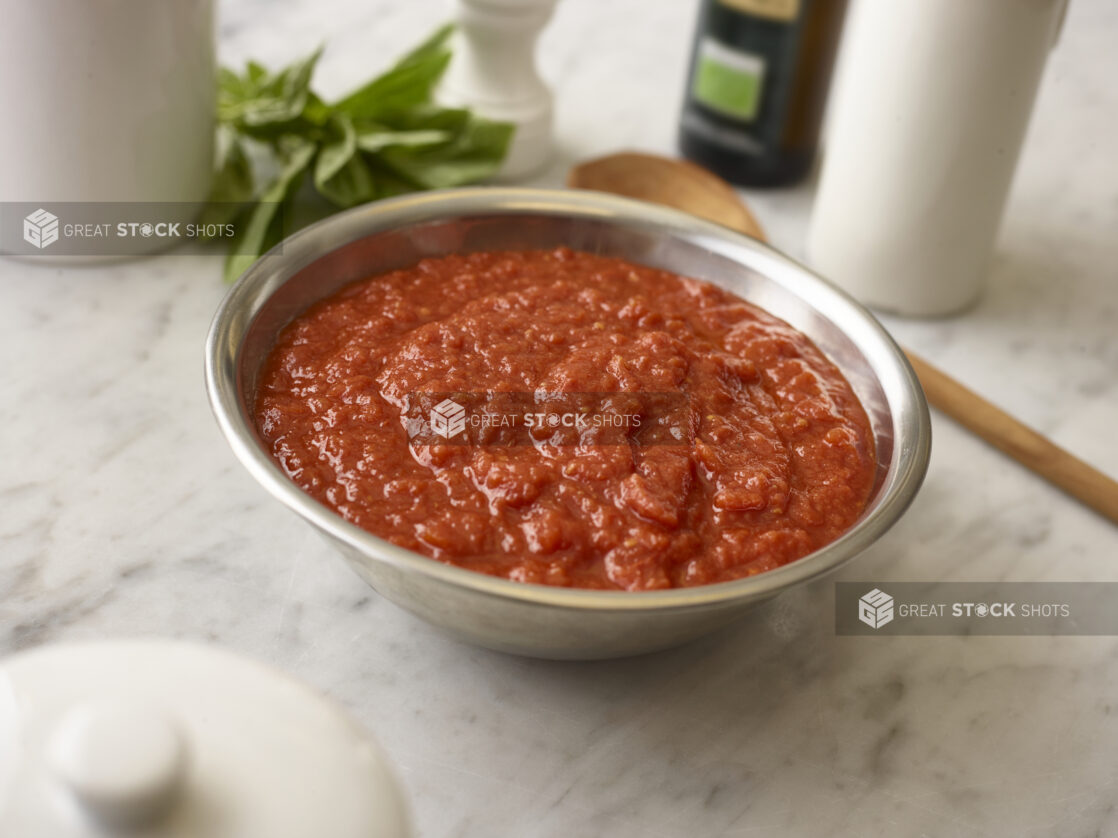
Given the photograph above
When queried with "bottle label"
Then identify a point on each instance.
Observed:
(771, 9)
(728, 81)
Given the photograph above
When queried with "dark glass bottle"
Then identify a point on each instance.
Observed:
(758, 81)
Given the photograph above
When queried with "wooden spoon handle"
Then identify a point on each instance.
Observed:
(1017, 440)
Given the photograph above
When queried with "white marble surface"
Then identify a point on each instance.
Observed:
(122, 512)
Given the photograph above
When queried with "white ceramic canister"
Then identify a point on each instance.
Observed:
(106, 100)
(931, 110)
(161, 739)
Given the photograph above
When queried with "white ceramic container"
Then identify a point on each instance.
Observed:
(933, 102)
(106, 100)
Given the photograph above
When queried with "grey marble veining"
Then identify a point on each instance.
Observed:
(122, 512)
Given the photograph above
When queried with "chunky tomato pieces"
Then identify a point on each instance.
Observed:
(769, 458)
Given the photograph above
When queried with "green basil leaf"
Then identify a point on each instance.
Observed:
(231, 88)
(255, 72)
(435, 45)
(337, 150)
(375, 139)
(409, 83)
(317, 112)
(474, 154)
(340, 173)
(262, 100)
(263, 228)
(353, 184)
(389, 182)
(425, 117)
(233, 183)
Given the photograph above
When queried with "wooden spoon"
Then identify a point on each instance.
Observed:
(687, 187)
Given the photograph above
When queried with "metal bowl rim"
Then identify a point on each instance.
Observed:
(912, 439)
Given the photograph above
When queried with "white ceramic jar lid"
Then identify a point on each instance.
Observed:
(164, 739)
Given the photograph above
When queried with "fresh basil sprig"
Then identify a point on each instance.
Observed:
(385, 138)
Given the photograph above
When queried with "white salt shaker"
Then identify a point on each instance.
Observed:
(161, 739)
(932, 106)
(493, 71)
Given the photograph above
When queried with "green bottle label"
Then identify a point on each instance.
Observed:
(728, 81)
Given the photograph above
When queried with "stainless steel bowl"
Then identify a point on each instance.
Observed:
(535, 619)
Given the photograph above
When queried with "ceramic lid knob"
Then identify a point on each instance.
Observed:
(124, 762)
(161, 739)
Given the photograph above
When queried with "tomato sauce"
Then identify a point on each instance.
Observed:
(764, 455)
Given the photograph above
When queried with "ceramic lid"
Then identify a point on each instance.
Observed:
(160, 739)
